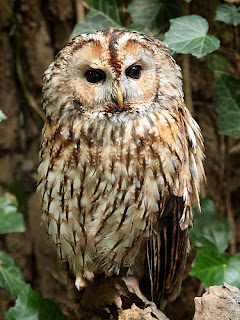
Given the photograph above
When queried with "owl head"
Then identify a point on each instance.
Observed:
(109, 73)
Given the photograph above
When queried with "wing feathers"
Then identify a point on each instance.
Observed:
(167, 252)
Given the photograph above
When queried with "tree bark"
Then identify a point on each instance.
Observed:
(113, 298)
(120, 298)
(220, 302)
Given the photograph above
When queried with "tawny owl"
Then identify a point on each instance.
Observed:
(120, 160)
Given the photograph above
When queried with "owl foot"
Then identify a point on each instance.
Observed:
(82, 280)
(89, 275)
(109, 273)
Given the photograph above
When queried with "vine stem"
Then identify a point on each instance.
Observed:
(80, 10)
(230, 214)
(237, 46)
(187, 82)
(31, 101)
(233, 245)
(186, 72)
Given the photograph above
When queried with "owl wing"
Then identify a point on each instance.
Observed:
(168, 242)
(167, 252)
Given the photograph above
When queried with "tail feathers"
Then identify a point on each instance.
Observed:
(167, 252)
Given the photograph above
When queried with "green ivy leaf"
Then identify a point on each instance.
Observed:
(229, 124)
(227, 96)
(48, 310)
(10, 219)
(95, 20)
(207, 206)
(140, 28)
(30, 307)
(11, 277)
(102, 15)
(218, 63)
(210, 229)
(112, 8)
(227, 90)
(17, 187)
(188, 34)
(228, 13)
(153, 15)
(27, 306)
(214, 268)
(2, 116)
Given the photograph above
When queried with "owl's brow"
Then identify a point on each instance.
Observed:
(79, 44)
(114, 61)
(142, 44)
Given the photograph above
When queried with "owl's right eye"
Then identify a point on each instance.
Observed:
(95, 75)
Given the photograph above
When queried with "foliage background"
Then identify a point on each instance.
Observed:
(31, 33)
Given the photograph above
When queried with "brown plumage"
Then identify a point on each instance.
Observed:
(120, 160)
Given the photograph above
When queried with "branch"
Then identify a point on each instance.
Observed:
(220, 302)
(113, 298)
(80, 10)
(120, 298)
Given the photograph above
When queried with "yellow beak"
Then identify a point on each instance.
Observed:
(119, 98)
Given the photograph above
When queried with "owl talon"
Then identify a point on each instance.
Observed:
(109, 273)
(80, 283)
(89, 275)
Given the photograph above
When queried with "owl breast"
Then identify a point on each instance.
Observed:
(104, 184)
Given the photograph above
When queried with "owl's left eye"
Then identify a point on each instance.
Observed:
(95, 76)
(134, 72)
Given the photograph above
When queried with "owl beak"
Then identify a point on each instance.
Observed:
(119, 98)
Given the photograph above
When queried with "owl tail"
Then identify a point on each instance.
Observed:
(167, 252)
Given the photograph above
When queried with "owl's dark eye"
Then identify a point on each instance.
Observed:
(134, 72)
(95, 76)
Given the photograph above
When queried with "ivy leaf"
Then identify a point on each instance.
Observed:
(95, 20)
(17, 187)
(210, 229)
(140, 28)
(214, 268)
(228, 13)
(218, 63)
(153, 15)
(233, 270)
(48, 310)
(188, 34)
(229, 124)
(207, 206)
(102, 15)
(227, 96)
(30, 307)
(228, 104)
(11, 277)
(111, 8)
(27, 306)
(2, 116)
(10, 219)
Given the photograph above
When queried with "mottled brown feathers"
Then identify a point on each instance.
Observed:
(117, 181)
